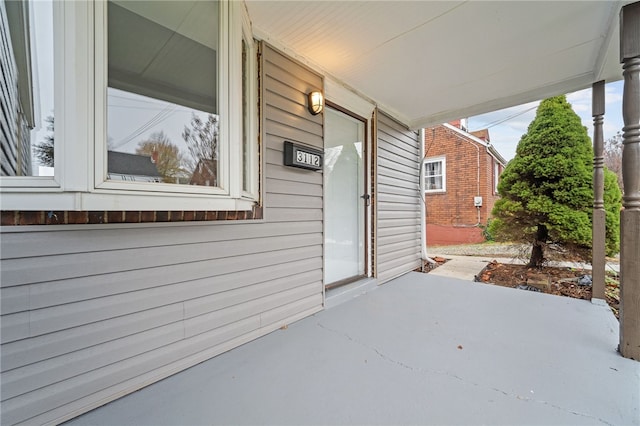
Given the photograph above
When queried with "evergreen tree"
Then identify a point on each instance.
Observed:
(44, 150)
(612, 205)
(547, 189)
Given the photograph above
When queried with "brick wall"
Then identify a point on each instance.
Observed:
(11, 218)
(439, 235)
(453, 211)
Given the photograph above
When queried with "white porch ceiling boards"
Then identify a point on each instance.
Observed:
(429, 62)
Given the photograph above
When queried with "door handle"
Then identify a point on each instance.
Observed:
(366, 198)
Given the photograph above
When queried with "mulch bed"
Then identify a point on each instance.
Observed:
(428, 266)
(550, 280)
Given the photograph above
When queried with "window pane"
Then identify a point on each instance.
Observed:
(246, 98)
(26, 88)
(433, 169)
(438, 182)
(433, 182)
(433, 175)
(162, 96)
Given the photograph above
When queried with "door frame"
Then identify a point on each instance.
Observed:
(365, 185)
(346, 101)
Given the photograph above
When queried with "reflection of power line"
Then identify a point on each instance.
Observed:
(502, 120)
(157, 104)
(156, 119)
(158, 108)
(138, 98)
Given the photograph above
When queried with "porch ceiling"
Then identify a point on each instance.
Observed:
(429, 61)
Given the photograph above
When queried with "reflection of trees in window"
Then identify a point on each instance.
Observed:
(44, 150)
(165, 155)
(202, 141)
(173, 62)
(26, 82)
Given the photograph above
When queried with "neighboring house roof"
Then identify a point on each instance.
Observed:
(205, 173)
(131, 164)
(490, 148)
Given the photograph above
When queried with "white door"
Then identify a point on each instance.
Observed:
(345, 198)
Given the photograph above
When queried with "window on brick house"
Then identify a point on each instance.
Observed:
(435, 174)
(496, 176)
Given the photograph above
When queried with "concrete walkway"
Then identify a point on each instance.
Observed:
(467, 267)
(421, 349)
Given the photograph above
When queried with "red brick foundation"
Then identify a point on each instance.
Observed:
(450, 235)
(13, 218)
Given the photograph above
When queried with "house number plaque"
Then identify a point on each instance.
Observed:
(302, 156)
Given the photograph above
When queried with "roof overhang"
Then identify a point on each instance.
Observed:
(428, 62)
(490, 148)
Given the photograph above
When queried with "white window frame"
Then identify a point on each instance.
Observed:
(429, 160)
(46, 184)
(496, 176)
(79, 181)
(336, 92)
(251, 193)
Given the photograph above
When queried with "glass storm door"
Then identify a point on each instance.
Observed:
(344, 197)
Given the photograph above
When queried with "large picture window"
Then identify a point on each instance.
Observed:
(156, 105)
(162, 95)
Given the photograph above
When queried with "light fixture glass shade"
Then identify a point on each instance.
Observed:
(316, 102)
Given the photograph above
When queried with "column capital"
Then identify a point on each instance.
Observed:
(629, 31)
(597, 99)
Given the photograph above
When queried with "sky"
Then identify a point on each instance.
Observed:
(507, 126)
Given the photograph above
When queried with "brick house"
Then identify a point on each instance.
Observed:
(461, 171)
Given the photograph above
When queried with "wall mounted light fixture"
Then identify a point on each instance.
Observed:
(316, 102)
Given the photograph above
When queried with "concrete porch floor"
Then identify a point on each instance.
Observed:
(421, 349)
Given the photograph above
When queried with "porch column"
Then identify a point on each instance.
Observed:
(630, 216)
(598, 230)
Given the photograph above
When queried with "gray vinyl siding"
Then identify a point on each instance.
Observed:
(397, 199)
(15, 144)
(90, 313)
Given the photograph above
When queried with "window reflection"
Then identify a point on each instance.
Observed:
(26, 83)
(163, 123)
